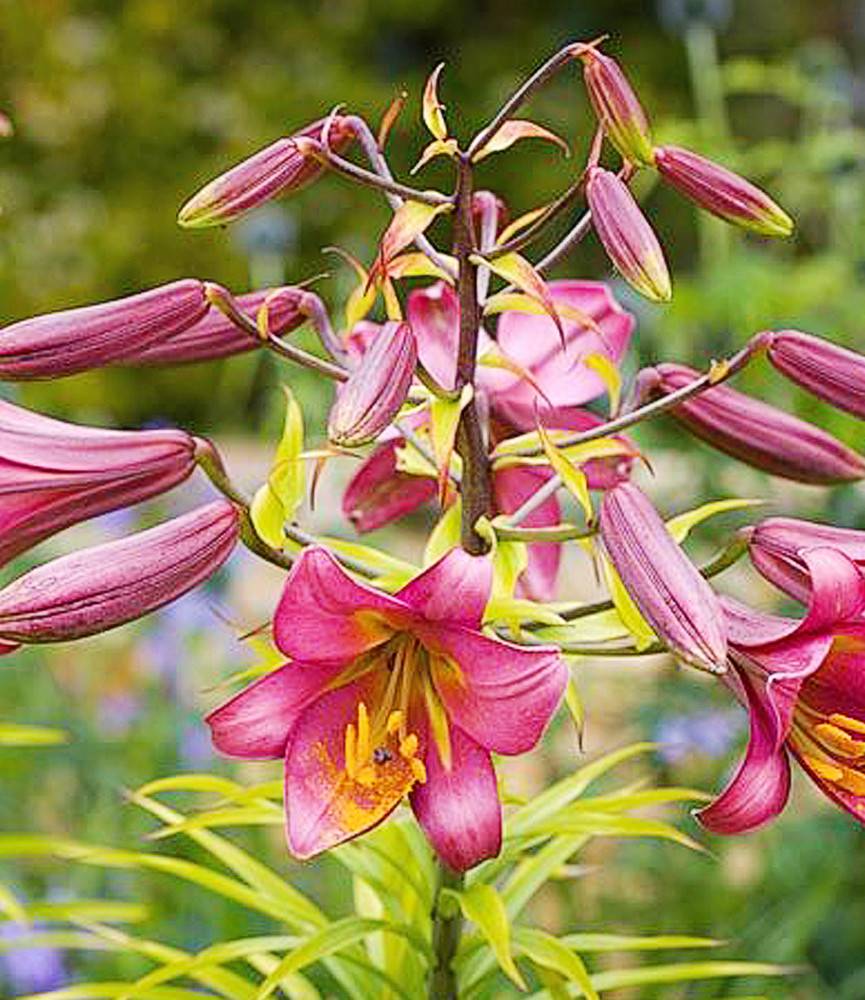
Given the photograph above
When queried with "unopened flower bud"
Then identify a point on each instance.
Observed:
(216, 336)
(664, 584)
(282, 167)
(619, 111)
(776, 546)
(99, 588)
(760, 434)
(827, 370)
(54, 474)
(63, 343)
(722, 192)
(627, 237)
(371, 398)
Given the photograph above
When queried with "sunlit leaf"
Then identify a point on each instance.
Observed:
(418, 265)
(544, 949)
(572, 477)
(276, 502)
(518, 271)
(409, 221)
(13, 734)
(627, 610)
(444, 420)
(513, 131)
(438, 147)
(681, 525)
(431, 107)
(609, 374)
(445, 535)
(483, 906)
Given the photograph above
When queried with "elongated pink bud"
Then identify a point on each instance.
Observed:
(827, 370)
(776, 546)
(367, 403)
(627, 237)
(619, 111)
(760, 434)
(722, 192)
(278, 169)
(99, 588)
(664, 584)
(53, 474)
(216, 336)
(63, 343)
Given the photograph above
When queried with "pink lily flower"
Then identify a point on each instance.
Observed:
(392, 696)
(54, 474)
(803, 683)
(379, 493)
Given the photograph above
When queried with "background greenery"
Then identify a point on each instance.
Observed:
(123, 109)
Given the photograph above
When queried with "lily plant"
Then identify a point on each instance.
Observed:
(472, 383)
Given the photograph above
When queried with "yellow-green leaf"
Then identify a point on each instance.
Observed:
(444, 420)
(544, 949)
(409, 221)
(14, 734)
(438, 147)
(445, 535)
(572, 477)
(627, 610)
(513, 131)
(431, 108)
(276, 502)
(483, 906)
(518, 271)
(609, 374)
(681, 525)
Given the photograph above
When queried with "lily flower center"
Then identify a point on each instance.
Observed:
(833, 746)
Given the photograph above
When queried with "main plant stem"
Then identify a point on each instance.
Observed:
(471, 444)
(447, 927)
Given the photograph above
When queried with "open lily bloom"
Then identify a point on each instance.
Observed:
(803, 682)
(392, 696)
(379, 492)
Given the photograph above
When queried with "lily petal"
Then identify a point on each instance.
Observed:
(255, 724)
(459, 809)
(325, 615)
(434, 315)
(511, 487)
(455, 589)
(379, 493)
(502, 695)
(759, 789)
(324, 807)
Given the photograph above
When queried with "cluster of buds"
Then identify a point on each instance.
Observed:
(487, 403)
(620, 224)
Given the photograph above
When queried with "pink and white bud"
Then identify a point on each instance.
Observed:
(617, 107)
(63, 343)
(371, 398)
(108, 585)
(216, 336)
(776, 547)
(665, 585)
(827, 370)
(760, 434)
(627, 237)
(722, 192)
(54, 474)
(283, 167)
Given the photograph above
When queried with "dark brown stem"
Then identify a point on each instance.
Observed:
(475, 486)
(537, 80)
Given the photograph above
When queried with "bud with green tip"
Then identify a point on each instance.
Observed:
(627, 237)
(721, 192)
(281, 168)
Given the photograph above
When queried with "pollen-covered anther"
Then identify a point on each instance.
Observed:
(839, 741)
(370, 749)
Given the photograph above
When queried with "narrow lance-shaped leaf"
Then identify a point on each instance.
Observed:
(409, 221)
(438, 147)
(572, 477)
(609, 374)
(483, 906)
(548, 951)
(681, 525)
(518, 271)
(276, 502)
(432, 110)
(444, 420)
(513, 131)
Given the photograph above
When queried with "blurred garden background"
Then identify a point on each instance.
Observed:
(122, 110)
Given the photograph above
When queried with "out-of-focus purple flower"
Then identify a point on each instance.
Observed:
(194, 747)
(33, 969)
(118, 712)
(708, 734)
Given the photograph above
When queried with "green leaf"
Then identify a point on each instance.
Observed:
(13, 734)
(331, 939)
(276, 502)
(686, 972)
(445, 535)
(578, 820)
(444, 419)
(627, 610)
(12, 907)
(544, 949)
(483, 906)
(576, 710)
(680, 526)
(626, 942)
(572, 477)
(609, 374)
